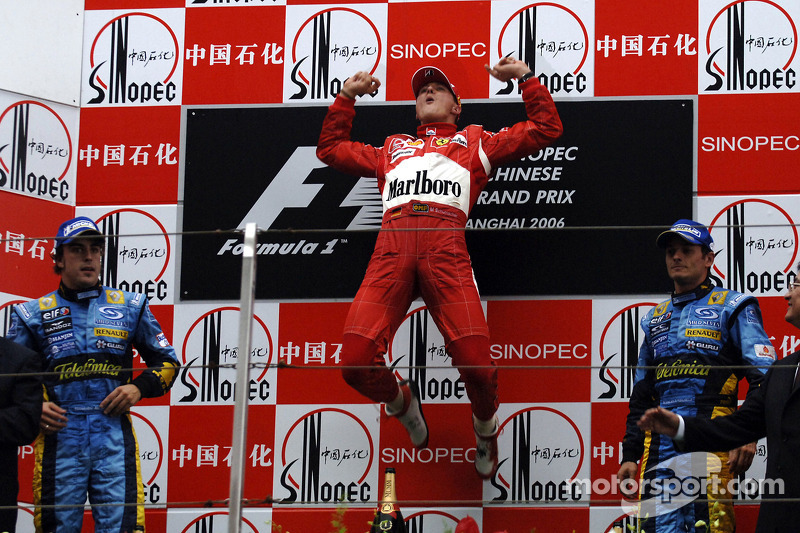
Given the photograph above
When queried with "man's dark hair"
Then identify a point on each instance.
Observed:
(58, 255)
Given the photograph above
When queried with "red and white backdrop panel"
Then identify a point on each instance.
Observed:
(202, 115)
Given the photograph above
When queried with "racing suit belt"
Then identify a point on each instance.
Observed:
(428, 209)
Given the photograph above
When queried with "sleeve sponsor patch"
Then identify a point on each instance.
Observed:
(765, 350)
(162, 340)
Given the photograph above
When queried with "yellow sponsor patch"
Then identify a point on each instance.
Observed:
(115, 297)
(47, 302)
(705, 333)
(660, 308)
(107, 332)
(717, 298)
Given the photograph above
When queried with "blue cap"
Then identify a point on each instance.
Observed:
(690, 231)
(76, 227)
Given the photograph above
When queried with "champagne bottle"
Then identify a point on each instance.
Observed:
(388, 518)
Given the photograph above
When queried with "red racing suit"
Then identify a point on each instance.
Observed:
(429, 183)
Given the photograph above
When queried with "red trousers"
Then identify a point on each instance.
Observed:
(419, 256)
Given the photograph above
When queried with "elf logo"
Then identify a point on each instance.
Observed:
(555, 43)
(327, 455)
(758, 247)
(619, 352)
(750, 46)
(56, 313)
(134, 59)
(329, 46)
(209, 355)
(35, 152)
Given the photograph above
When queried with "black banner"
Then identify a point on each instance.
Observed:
(575, 219)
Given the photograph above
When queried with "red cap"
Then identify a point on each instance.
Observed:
(427, 75)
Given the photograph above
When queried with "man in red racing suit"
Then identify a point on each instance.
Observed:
(429, 183)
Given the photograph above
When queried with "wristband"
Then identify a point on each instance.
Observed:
(346, 94)
(526, 77)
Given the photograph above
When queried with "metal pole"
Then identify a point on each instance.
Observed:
(248, 289)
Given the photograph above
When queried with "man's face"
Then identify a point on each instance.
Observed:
(792, 297)
(80, 261)
(687, 265)
(435, 103)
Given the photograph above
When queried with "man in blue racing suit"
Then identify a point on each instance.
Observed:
(697, 346)
(86, 333)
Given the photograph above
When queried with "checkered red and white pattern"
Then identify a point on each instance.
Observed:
(563, 382)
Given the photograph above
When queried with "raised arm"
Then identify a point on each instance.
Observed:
(508, 68)
(543, 125)
(359, 84)
(335, 148)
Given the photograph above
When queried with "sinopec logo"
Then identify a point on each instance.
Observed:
(431, 521)
(622, 523)
(133, 60)
(5, 315)
(619, 352)
(328, 47)
(536, 465)
(417, 352)
(217, 521)
(327, 456)
(209, 356)
(750, 46)
(35, 152)
(554, 41)
(757, 243)
(137, 255)
(151, 455)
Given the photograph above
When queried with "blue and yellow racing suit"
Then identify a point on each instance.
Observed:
(697, 347)
(87, 342)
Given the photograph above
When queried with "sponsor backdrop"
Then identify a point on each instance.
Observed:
(198, 116)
